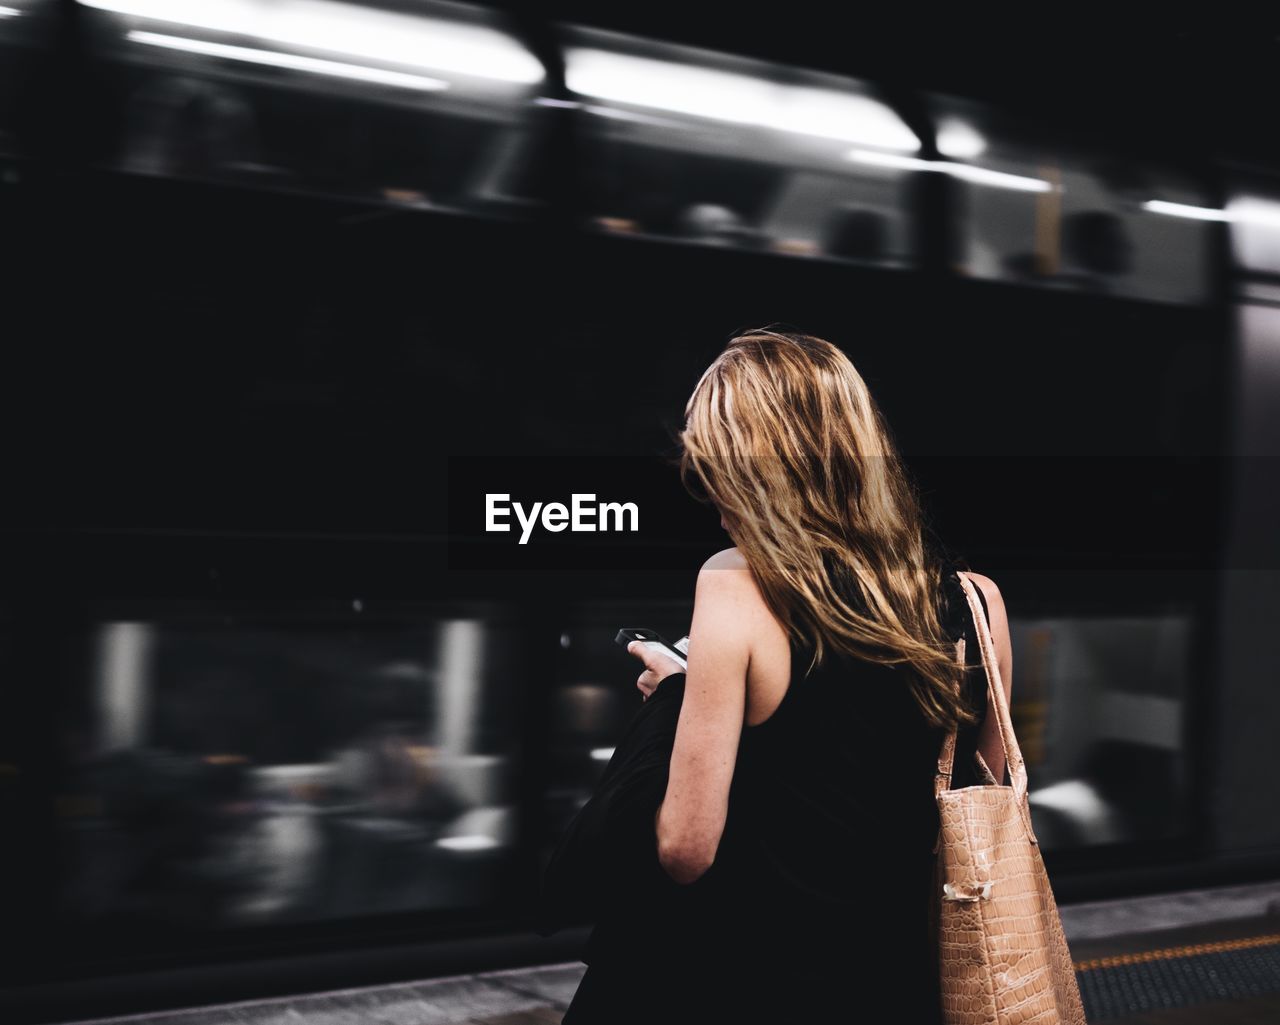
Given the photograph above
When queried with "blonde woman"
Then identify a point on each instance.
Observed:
(799, 811)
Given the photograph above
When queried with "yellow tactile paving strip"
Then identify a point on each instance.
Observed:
(1191, 950)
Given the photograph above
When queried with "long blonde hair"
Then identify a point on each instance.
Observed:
(783, 436)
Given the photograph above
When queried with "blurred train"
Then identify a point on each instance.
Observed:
(275, 264)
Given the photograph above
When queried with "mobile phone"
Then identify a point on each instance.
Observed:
(654, 641)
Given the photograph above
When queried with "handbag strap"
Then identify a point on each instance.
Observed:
(997, 703)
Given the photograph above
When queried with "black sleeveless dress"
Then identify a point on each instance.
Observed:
(816, 907)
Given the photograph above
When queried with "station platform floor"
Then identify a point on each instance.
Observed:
(1203, 957)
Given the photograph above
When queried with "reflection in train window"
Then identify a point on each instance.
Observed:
(1043, 212)
(699, 146)
(1098, 706)
(221, 775)
(430, 109)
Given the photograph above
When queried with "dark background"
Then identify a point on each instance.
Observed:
(239, 409)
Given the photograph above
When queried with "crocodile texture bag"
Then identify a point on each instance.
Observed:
(1002, 954)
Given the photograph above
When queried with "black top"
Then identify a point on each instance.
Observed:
(821, 885)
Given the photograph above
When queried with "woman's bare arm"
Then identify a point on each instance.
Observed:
(691, 819)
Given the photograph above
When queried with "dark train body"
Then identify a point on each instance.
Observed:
(272, 697)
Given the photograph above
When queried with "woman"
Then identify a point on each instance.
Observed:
(799, 810)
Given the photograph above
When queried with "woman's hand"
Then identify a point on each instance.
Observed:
(657, 667)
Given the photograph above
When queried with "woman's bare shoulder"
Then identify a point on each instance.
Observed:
(726, 577)
(989, 589)
(731, 598)
(728, 558)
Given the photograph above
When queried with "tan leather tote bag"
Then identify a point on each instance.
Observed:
(1001, 950)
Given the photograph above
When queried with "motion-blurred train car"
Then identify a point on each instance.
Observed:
(284, 267)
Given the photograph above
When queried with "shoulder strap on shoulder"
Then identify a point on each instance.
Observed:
(998, 706)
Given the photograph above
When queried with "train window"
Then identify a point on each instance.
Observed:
(1098, 706)
(265, 772)
(429, 109)
(698, 146)
(1036, 210)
